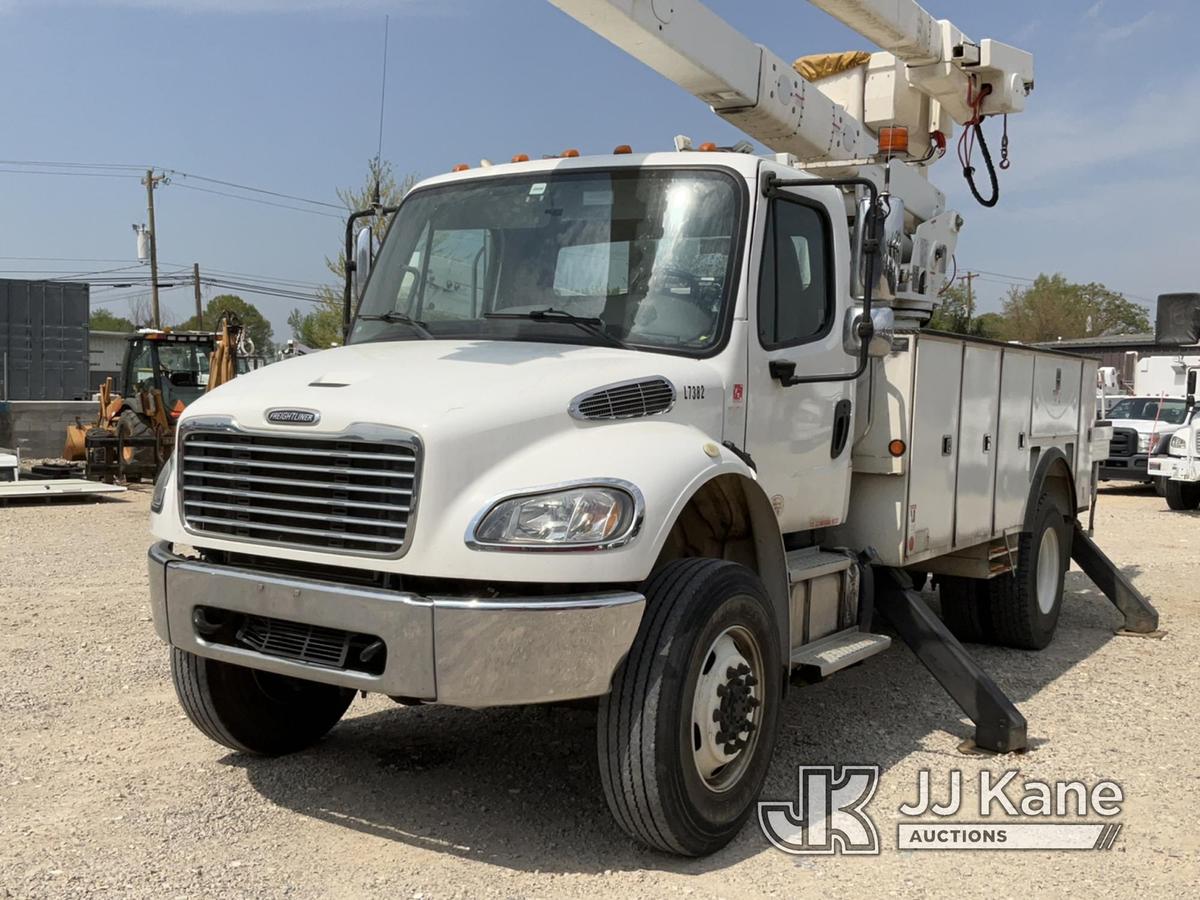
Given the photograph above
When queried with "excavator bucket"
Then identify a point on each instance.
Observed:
(75, 447)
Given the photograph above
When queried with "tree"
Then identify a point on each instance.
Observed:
(258, 329)
(322, 326)
(103, 320)
(1053, 308)
(956, 317)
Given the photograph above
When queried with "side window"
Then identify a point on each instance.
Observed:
(795, 293)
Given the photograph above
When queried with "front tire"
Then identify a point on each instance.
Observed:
(686, 735)
(1182, 494)
(252, 711)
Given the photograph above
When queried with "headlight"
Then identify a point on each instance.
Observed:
(593, 516)
(1143, 443)
(160, 485)
(1178, 442)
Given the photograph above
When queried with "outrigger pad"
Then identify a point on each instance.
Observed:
(1140, 616)
(999, 725)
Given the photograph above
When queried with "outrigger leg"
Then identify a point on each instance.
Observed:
(999, 725)
(1140, 616)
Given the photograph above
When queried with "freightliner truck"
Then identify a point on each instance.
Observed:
(651, 430)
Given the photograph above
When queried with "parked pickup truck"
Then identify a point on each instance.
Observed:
(1139, 425)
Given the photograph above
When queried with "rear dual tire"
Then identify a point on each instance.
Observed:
(1017, 609)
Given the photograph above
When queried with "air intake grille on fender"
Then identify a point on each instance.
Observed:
(627, 400)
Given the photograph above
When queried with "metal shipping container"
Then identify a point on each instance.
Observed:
(43, 340)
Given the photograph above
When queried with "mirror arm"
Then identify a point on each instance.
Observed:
(771, 188)
(347, 289)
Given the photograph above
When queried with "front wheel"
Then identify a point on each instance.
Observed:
(1182, 494)
(252, 711)
(686, 735)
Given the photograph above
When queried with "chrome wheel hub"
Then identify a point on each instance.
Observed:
(726, 708)
(1048, 564)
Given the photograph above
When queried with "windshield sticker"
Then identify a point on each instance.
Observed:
(536, 190)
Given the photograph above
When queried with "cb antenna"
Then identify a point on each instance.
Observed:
(375, 200)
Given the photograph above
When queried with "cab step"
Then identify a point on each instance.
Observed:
(840, 650)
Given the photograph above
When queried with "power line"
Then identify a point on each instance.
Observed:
(246, 187)
(314, 212)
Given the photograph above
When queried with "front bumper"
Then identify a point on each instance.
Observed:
(1174, 468)
(1125, 468)
(458, 650)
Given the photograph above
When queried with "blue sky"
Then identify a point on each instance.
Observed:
(285, 96)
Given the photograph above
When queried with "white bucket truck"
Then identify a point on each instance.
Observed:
(656, 429)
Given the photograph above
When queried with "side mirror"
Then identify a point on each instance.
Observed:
(883, 319)
(1191, 388)
(364, 256)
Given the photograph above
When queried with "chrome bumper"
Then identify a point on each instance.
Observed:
(461, 651)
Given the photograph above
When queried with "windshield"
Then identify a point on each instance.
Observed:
(1169, 412)
(647, 254)
(184, 370)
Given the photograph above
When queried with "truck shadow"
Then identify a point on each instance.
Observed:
(519, 788)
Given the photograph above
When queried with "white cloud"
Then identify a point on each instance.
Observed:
(1113, 34)
(1094, 10)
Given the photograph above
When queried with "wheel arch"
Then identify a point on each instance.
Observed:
(729, 516)
(1052, 473)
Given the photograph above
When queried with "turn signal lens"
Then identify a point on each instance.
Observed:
(461, 167)
(707, 147)
(570, 154)
(622, 149)
(521, 157)
(897, 447)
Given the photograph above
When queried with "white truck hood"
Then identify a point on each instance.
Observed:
(451, 388)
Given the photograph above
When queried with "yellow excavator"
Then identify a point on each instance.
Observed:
(163, 372)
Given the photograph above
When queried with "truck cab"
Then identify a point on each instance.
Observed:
(1140, 424)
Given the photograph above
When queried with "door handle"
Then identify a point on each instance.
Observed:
(841, 428)
(784, 371)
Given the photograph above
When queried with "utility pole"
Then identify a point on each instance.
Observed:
(969, 277)
(151, 181)
(196, 288)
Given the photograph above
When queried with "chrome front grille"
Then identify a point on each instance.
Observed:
(343, 494)
(627, 400)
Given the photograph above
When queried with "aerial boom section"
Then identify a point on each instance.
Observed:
(743, 82)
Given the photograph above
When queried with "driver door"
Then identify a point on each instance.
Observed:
(799, 436)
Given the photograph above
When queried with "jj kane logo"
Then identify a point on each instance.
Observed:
(293, 416)
(829, 814)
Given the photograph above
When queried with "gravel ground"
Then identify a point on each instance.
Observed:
(106, 789)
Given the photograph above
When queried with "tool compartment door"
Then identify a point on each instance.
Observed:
(933, 452)
(1012, 440)
(977, 444)
(1056, 397)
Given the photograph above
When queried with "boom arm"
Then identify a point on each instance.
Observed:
(927, 69)
(743, 82)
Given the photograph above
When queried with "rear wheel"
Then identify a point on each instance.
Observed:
(1182, 494)
(686, 735)
(1025, 605)
(252, 711)
(966, 608)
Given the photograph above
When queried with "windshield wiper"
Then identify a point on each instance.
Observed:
(592, 326)
(400, 318)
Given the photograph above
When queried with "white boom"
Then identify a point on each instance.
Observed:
(927, 67)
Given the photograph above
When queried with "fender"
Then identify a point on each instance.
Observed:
(1049, 461)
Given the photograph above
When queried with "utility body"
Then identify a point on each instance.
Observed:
(657, 429)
